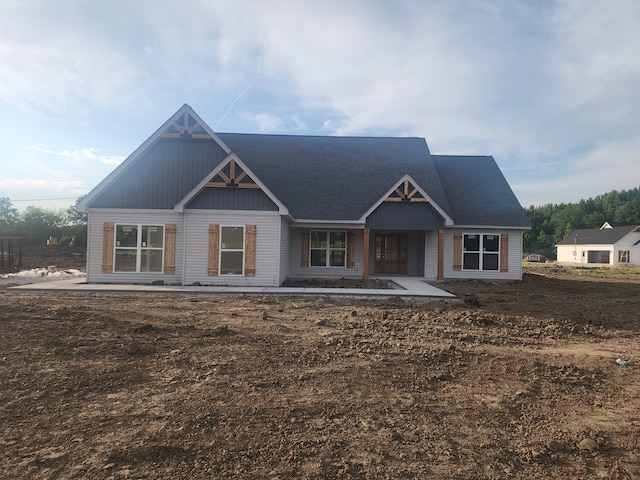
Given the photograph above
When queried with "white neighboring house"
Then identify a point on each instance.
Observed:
(607, 245)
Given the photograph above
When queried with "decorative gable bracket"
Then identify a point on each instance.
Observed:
(406, 192)
(186, 127)
(232, 176)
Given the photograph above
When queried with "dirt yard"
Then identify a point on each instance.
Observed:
(517, 381)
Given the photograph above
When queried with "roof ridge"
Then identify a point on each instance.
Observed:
(321, 136)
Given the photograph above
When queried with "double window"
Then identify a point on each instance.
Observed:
(139, 248)
(481, 252)
(623, 256)
(231, 250)
(328, 249)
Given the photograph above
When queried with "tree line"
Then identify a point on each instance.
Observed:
(35, 225)
(550, 223)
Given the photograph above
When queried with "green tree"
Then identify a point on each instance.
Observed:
(38, 224)
(74, 217)
(550, 223)
(77, 224)
(9, 217)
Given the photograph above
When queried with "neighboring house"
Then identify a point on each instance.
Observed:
(608, 245)
(193, 206)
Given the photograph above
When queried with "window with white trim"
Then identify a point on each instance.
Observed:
(481, 252)
(328, 248)
(623, 256)
(139, 248)
(231, 250)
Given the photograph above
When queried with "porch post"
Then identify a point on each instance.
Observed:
(365, 255)
(440, 254)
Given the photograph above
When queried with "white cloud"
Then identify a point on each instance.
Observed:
(53, 178)
(610, 166)
(46, 193)
(34, 185)
(65, 80)
(264, 122)
(82, 155)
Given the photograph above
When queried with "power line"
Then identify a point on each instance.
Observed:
(43, 199)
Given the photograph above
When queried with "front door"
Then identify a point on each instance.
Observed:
(391, 253)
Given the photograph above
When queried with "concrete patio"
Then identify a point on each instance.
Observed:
(408, 287)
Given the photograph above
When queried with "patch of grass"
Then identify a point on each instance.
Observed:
(606, 272)
(538, 266)
(593, 272)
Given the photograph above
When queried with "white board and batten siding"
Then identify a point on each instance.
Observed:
(268, 241)
(431, 255)
(95, 236)
(514, 271)
(631, 243)
(565, 253)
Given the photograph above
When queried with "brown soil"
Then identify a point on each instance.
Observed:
(59, 256)
(371, 283)
(518, 380)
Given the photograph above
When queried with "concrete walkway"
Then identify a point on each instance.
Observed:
(408, 287)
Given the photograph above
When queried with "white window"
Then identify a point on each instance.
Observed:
(623, 256)
(328, 249)
(481, 252)
(231, 250)
(139, 248)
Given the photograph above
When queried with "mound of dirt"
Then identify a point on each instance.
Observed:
(63, 257)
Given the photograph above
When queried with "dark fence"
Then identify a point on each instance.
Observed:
(10, 254)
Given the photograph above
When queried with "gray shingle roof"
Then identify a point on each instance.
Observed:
(315, 177)
(595, 236)
(478, 193)
(335, 178)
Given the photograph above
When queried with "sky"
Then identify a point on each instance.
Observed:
(550, 89)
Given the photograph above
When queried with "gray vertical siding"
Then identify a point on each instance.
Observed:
(156, 180)
(405, 216)
(232, 199)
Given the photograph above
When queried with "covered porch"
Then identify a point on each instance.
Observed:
(413, 253)
(404, 237)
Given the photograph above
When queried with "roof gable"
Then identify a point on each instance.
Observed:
(230, 174)
(598, 236)
(153, 164)
(406, 190)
